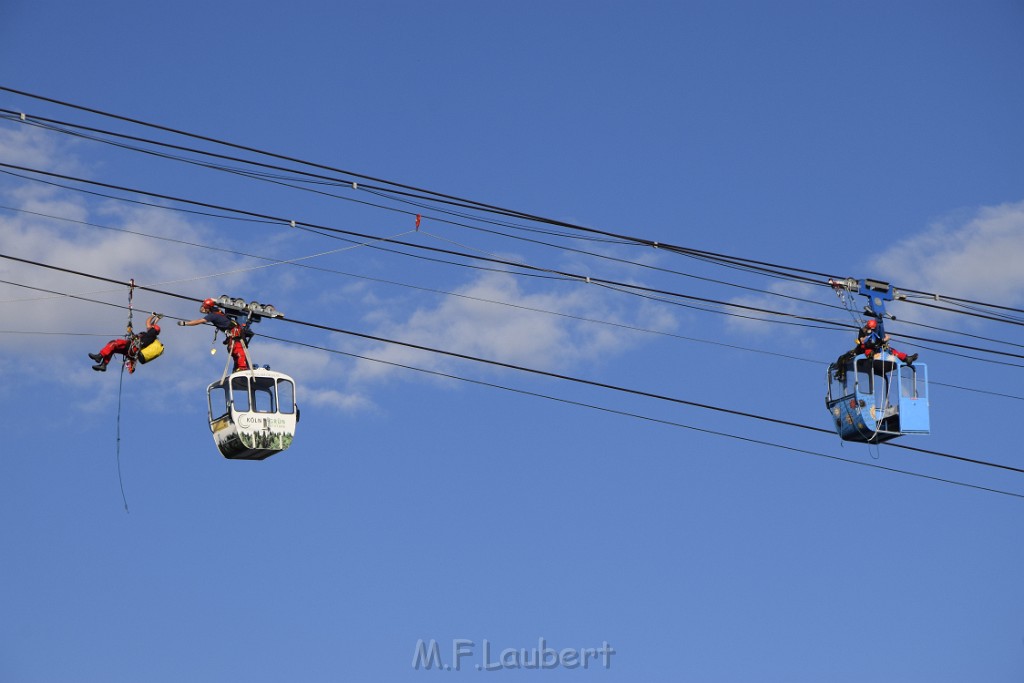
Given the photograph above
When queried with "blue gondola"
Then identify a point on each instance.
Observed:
(253, 413)
(879, 400)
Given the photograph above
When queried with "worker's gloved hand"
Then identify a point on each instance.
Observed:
(181, 322)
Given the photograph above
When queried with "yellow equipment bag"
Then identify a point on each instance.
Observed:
(150, 352)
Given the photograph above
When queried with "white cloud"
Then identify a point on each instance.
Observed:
(786, 299)
(109, 251)
(36, 149)
(337, 400)
(110, 254)
(469, 324)
(977, 257)
(974, 256)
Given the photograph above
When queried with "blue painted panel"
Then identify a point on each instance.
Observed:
(898, 405)
(852, 418)
(914, 417)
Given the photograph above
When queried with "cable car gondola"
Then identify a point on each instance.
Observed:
(872, 397)
(253, 413)
(879, 399)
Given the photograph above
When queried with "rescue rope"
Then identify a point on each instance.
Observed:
(132, 348)
(227, 364)
(120, 478)
(129, 337)
(298, 259)
(848, 303)
(879, 410)
(513, 260)
(131, 294)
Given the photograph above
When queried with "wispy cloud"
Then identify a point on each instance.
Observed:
(34, 148)
(109, 251)
(512, 334)
(784, 297)
(976, 256)
(470, 323)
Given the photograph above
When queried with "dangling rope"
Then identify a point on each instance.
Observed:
(129, 333)
(120, 478)
(849, 304)
(227, 362)
(878, 411)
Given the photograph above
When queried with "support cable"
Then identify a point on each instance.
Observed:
(544, 373)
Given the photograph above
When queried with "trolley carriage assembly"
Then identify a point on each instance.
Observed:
(252, 412)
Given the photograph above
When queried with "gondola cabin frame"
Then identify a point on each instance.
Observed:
(252, 413)
(879, 400)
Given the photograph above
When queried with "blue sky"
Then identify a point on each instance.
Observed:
(864, 140)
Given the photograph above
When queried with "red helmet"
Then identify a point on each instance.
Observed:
(872, 324)
(208, 303)
(157, 328)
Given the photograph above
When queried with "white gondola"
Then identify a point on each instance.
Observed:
(253, 413)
